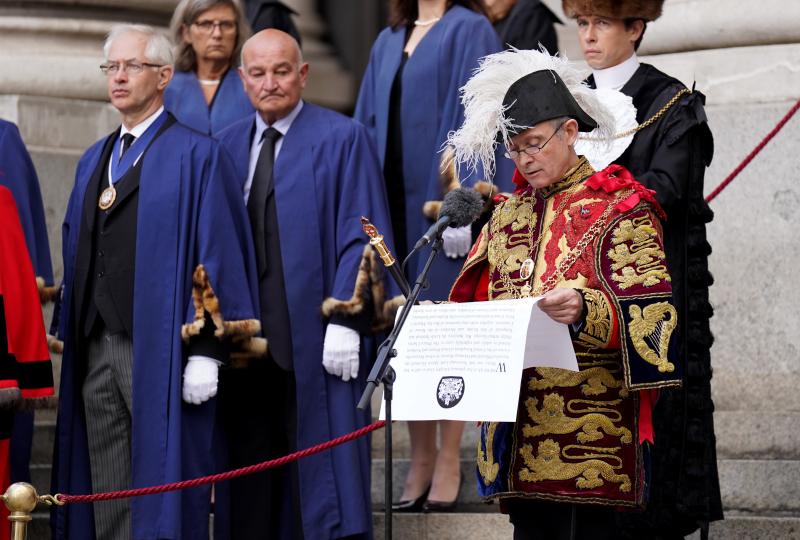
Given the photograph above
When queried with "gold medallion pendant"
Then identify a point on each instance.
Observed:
(525, 272)
(107, 198)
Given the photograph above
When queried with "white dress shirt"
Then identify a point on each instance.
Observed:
(615, 77)
(137, 131)
(282, 125)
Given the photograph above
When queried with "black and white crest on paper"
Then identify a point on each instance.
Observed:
(450, 391)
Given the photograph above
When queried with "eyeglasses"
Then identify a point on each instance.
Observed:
(131, 68)
(533, 149)
(207, 27)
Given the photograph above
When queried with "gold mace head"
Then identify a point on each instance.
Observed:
(368, 228)
(21, 497)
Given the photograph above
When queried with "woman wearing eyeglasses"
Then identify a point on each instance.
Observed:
(205, 92)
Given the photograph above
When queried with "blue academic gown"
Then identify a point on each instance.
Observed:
(189, 213)
(184, 99)
(441, 64)
(19, 176)
(326, 177)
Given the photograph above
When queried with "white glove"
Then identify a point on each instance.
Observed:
(200, 378)
(457, 241)
(340, 352)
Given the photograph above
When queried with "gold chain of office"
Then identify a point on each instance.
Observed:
(647, 123)
(566, 263)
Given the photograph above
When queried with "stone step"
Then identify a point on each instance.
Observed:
(494, 525)
(737, 527)
(401, 445)
(756, 435)
(467, 496)
(479, 526)
(44, 436)
(41, 478)
(457, 526)
(740, 435)
(760, 487)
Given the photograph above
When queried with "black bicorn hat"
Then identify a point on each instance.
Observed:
(541, 96)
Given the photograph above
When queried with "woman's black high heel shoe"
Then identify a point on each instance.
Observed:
(444, 506)
(414, 505)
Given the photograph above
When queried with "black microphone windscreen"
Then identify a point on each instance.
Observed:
(463, 205)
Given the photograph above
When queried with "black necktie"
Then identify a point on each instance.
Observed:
(264, 221)
(259, 191)
(127, 141)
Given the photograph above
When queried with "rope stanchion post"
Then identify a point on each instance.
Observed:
(20, 499)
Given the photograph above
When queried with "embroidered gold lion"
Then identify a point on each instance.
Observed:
(638, 231)
(486, 464)
(552, 419)
(637, 258)
(595, 380)
(623, 256)
(515, 212)
(548, 465)
(654, 324)
(508, 260)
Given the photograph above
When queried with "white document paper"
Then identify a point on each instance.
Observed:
(464, 361)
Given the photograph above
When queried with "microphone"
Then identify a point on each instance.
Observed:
(460, 207)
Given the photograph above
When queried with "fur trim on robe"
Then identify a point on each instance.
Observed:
(46, 294)
(241, 333)
(369, 288)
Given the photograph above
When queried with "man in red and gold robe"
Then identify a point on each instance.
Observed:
(590, 243)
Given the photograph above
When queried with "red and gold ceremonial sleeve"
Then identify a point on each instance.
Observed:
(631, 266)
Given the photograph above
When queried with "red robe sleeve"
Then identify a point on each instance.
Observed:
(25, 368)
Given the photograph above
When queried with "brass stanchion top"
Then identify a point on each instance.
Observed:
(21, 497)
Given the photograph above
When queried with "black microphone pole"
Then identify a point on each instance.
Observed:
(382, 372)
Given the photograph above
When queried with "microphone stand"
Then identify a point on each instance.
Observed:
(382, 372)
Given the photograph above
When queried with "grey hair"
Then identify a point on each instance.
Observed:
(186, 13)
(158, 49)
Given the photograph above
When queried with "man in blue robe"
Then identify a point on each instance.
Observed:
(18, 174)
(158, 287)
(308, 175)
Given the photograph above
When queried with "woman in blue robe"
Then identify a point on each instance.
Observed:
(206, 93)
(409, 101)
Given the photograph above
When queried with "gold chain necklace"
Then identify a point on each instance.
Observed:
(647, 122)
(575, 253)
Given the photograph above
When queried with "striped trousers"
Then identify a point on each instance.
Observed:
(107, 398)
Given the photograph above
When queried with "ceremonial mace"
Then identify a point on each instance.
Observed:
(377, 242)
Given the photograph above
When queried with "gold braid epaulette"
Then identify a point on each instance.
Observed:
(647, 123)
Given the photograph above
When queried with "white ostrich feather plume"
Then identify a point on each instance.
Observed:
(485, 125)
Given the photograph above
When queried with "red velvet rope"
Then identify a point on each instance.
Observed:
(252, 469)
(754, 153)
